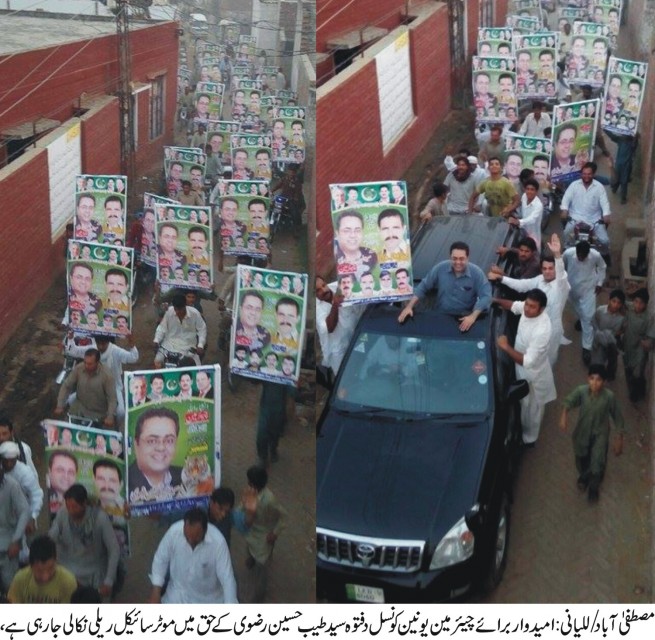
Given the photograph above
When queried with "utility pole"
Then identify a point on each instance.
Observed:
(458, 70)
(124, 93)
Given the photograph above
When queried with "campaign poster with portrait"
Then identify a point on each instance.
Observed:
(247, 45)
(608, 12)
(184, 163)
(268, 324)
(218, 136)
(586, 61)
(243, 211)
(94, 458)
(154, 208)
(536, 70)
(523, 152)
(566, 16)
(251, 155)
(526, 9)
(495, 42)
(624, 91)
(185, 247)
(523, 24)
(574, 133)
(494, 90)
(173, 433)
(287, 132)
(100, 208)
(99, 284)
(268, 110)
(209, 101)
(289, 98)
(371, 241)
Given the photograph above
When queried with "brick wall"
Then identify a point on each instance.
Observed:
(100, 139)
(349, 143)
(28, 257)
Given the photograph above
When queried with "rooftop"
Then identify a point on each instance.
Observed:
(20, 33)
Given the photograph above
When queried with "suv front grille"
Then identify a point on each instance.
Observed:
(377, 554)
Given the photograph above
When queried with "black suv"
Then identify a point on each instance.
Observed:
(417, 445)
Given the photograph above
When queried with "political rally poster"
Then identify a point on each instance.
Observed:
(184, 163)
(586, 61)
(268, 110)
(243, 207)
(608, 13)
(536, 71)
(523, 152)
(523, 24)
(289, 98)
(251, 156)
(526, 9)
(566, 16)
(247, 47)
(494, 90)
(184, 247)
(209, 102)
(246, 105)
(218, 136)
(99, 279)
(154, 208)
(173, 431)
(624, 90)
(94, 458)
(100, 208)
(268, 324)
(371, 246)
(287, 132)
(495, 42)
(574, 133)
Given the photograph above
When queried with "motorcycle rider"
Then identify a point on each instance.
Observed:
(586, 201)
(180, 330)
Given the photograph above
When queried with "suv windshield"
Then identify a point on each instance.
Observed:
(415, 375)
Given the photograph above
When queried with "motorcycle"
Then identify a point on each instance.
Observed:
(175, 359)
(280, 215)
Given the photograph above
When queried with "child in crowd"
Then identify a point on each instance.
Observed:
(638, 336)
(597, 405)
(608, 327)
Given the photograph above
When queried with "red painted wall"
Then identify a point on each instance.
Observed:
(349, 144)
(27, 253)
(30, 260)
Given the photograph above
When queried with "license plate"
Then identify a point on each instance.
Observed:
(361, 593)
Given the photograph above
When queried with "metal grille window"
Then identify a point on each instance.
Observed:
(157, 107)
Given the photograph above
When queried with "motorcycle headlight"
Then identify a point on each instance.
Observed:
(455, 547)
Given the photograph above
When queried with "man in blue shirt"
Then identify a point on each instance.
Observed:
(462, 288)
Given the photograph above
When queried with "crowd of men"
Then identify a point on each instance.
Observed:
(536, 280)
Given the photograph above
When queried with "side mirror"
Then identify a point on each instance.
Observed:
(518, 390)
(324, 377)
(473, 518)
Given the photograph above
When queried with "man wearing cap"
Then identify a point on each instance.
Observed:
(7, 434)
(26, 478)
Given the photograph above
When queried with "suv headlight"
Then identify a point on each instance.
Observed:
(455, 547)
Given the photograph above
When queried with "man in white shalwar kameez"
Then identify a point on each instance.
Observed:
(530, 354)
(554, 282)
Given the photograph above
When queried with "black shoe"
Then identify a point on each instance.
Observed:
(583, 483)
(274, 456)
(615, 188)
(578, 325)
(529, 445)
(593, 495)
(586, 357)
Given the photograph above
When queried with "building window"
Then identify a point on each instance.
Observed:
(486, 13)
(157, 107)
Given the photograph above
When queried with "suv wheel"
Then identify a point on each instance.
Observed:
(498, 560)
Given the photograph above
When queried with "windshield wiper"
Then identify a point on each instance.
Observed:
(361, 411)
